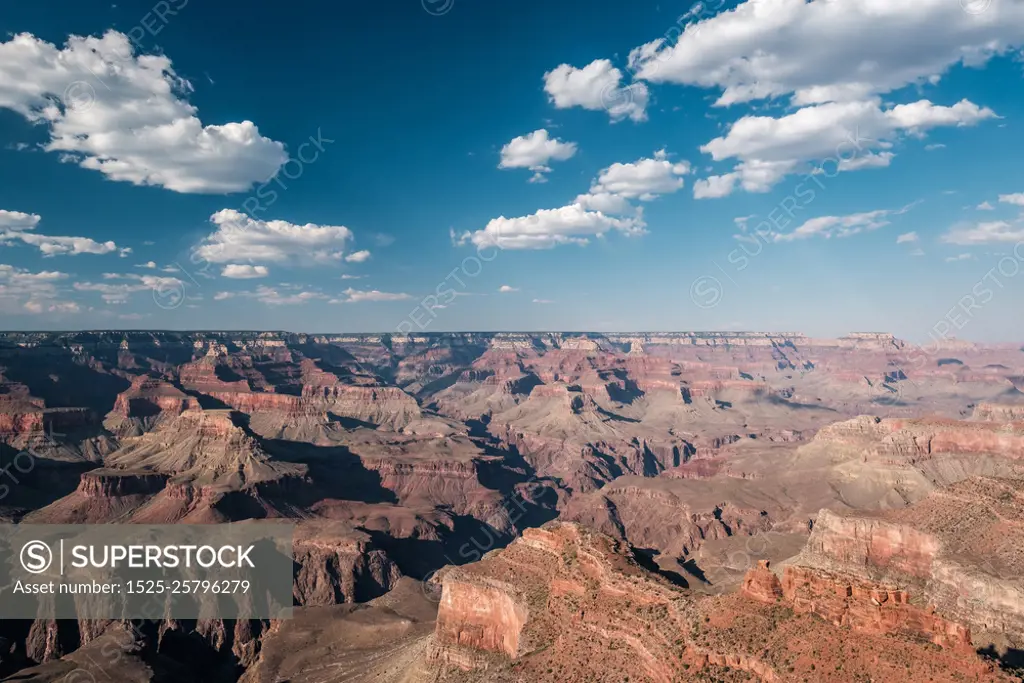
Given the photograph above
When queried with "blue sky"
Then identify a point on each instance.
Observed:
(606, 169)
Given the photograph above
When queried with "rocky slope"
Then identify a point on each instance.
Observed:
(566, 604)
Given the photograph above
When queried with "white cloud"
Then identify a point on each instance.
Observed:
(23, 290)
(606, 206)
(356, 296)
(358, 257)
(828, 51)
(126, 116)
(960, 257)
(535, 151)
(843, 226)
(907, 237)
(992, 232)
(716, 186)
(148, 264)
(985, 206)
(596, 86)
(241, 238)
(643, 179)
(1015, 199)
(16, 220)
(543, 301)
(272, 297)
(547, 228)
(17, 226)
(120, 292)
(505, 289)
(934, 147)
(917, 252)
(57, 307)
(56, 246)
(349, 276)
(244, 271)
(604, 202)
(768, 149)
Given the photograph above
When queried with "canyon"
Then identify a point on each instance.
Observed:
(542, 506)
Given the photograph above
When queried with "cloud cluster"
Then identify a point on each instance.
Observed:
(845, 226)
(126, 116)
(596, 86)
(24, 291)
(357, 296)
(818, 52)
(644, 179)
(572, 224)
(119, 293)
(16, 226)
(833, 61)
(989, 232)
(244, 271)
(859, 133)
(238, 237)
(535, 151)
(272, 297)
(605, 207)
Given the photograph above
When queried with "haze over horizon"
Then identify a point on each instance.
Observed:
(169, 171)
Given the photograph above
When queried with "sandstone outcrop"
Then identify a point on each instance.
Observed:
(566, 604)
(957, 549)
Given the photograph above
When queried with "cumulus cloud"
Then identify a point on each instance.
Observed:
(239, 237)
(857, 135)
(985, 206)
(907, 237)
(844, 226)
(1016, 199)
(644, 179)
(834, 59)
(126, 116)
(606, 206)
(16, 220)
(358, 257)
(828, 51)
(356, 296)
(148, 264)
(605, 202)
(535, 151)
(991, 232)
(16, 226)
(244, 271)
(572, 224)
(505, 289)
(596, 86)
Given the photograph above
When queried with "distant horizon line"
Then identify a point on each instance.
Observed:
(767, 333)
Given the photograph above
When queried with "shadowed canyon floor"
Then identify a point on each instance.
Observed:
(513, 506)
